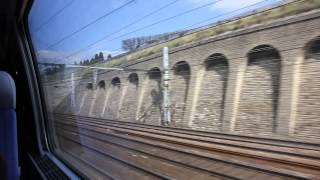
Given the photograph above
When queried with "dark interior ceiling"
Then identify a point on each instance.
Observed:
(7, 18)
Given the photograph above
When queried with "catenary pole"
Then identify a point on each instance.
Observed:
(166, 95)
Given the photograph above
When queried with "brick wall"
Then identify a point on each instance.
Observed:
(150, 111)
(308, 116)
(259, 93)
(179, 89)
(129, 105)
(111, 110)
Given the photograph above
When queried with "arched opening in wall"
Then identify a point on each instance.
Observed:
(313, 49)
(180, 90)
(134, 79)
(182, 68)
(150, 109)
(155, 76)
(90, 86)
(154, 73)
(210, 105)
(99, 98)
(215, 60)
(113, 96)
(116, 82)
(260, 92)
(102, 84)
(308, 108)
(130, 99)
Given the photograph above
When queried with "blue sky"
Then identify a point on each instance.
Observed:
(79, 13)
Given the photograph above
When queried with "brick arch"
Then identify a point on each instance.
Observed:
(88, 97)
(113, 100)
(182, 68)
(150, 110)
(102, 84)
(312, 49)
(154, 73)
(116, 82)
(211, 96)
(89, 86)
(98, 99)
(133, 79)
(179, 87)
(260, 91)
(130, 98)
(308, 108)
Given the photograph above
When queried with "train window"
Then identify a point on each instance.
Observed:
(172, 89)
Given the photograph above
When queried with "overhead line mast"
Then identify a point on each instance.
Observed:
(166, 95)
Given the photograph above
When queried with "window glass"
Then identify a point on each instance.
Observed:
(136, 89)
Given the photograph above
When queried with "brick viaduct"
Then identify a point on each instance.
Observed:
(262, 80)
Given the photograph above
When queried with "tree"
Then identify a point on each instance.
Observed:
(75, 63)
(101, 57)
(109, 56)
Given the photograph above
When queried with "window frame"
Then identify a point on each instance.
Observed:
(44, 139)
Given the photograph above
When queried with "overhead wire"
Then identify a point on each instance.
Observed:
(186, 28)
(125, 27)
(57, 13)
(149, 25)
(224, 22)
(89, 24)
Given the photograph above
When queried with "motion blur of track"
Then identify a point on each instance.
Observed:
(108, 149)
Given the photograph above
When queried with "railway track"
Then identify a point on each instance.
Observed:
(120, 150)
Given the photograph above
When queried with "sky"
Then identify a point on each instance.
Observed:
(65, 31)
